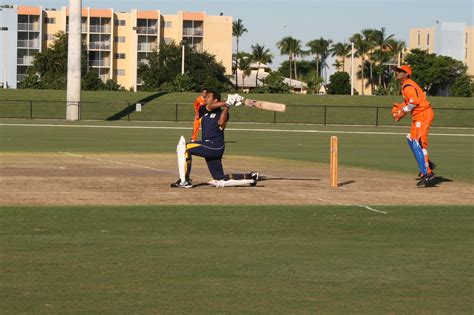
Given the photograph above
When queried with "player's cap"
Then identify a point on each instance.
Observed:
(404, 68)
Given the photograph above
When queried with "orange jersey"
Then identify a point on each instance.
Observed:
(413, 94)
(198, 102)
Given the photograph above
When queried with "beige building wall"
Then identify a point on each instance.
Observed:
(424, 39)
(469, 50)
(217, 36)
(118, 42)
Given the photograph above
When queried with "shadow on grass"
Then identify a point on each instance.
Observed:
(131, 108)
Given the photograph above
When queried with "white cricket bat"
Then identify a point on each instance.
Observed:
(276, 107)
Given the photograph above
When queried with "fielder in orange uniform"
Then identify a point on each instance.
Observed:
(415, 102)
(198, 102)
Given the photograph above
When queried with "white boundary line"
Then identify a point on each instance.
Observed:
(241, 129)
(362, 206)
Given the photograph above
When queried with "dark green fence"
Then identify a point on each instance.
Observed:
(302, 114)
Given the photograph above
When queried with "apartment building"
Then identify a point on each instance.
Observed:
(117, 42)
(455, 40)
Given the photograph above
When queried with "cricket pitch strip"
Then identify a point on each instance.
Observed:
(66, 178)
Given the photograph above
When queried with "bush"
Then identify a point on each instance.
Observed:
(461, 87)
(340, 83)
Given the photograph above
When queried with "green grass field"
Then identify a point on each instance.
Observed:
(238, 259)
(358, 110)
(122, 260)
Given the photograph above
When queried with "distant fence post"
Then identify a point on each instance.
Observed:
(377, 116)
(31, 109)
(274, 117)
(128, 111)
(176, 113)
(79, 109)
(325, 110)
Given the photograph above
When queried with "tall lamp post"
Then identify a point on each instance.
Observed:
(352, 68)
(74, 61)
(5, 59)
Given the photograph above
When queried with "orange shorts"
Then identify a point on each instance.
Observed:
(420, 126)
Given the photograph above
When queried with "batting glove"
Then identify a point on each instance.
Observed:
(230, 100)
(238, 99)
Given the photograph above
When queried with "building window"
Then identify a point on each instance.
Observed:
(168, 24)
(419, 37)
(120, 23)
(119, 56)
(120, 72)
(120, 39)
(466, 37)
(428, 39)
(50, 20)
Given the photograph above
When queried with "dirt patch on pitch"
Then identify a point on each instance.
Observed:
(133, 179)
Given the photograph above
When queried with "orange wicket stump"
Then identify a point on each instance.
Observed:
(333, 162)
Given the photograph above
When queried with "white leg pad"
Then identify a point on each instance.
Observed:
(181, 151)
(231, 182)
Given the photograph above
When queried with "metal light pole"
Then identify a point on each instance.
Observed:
(352, 68)
(182, 61)
(5, 59)
(74, 61)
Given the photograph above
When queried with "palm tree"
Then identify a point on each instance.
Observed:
(383, 48)
(244, 61)
(362, 46)
(291, 47)
(238, 29)
(320, 48)
(397, 48)
(260, 55)
(371, 37)
(341, 50)
(338, 65)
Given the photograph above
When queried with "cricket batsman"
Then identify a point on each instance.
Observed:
(213, 118)
(416, 104)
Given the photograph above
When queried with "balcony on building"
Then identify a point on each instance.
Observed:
(25, 61)
(147, 27)
(99, 59)
(147, 46)
(193, 28)
(100, 42)
(28, 40)
(100, 25)
(28, 23)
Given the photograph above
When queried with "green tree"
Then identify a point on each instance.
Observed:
(244, 61)
(184, 83)
(238, 29)
(462, 87)
(304, 68)
(274, 83)
(293, 48)
(165, 64)
(435, 74)
(92, 82)
(111, 85)
(260, 55)
(340, 83)
(50, 65)
(362, 47)
(321, 49)
(341, 50)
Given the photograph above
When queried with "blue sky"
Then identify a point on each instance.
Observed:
(268, 21)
